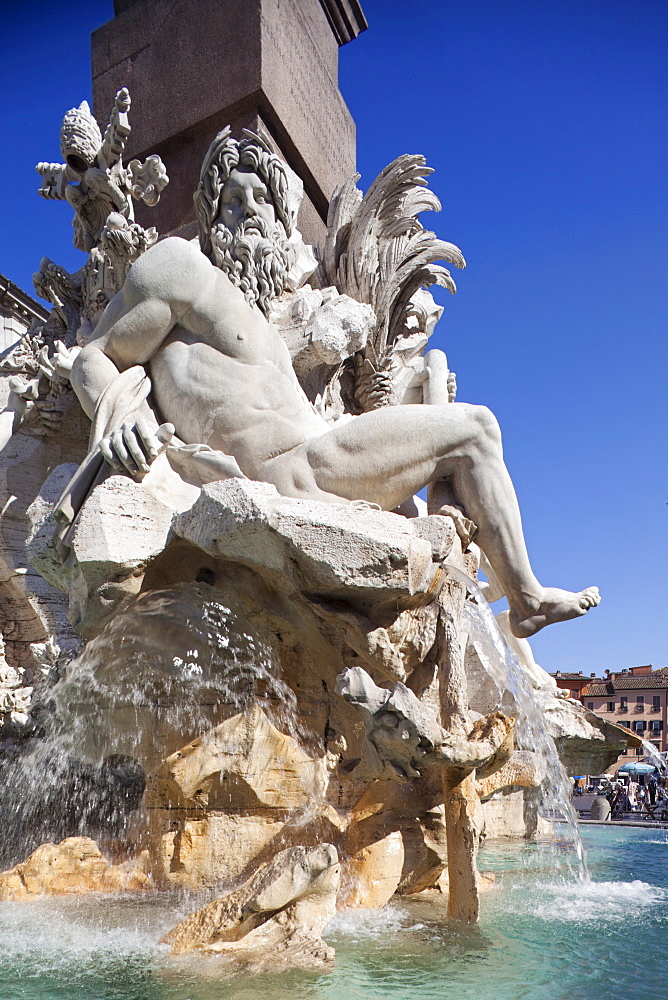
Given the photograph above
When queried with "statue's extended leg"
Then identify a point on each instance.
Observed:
(484, 487)
(388, 455)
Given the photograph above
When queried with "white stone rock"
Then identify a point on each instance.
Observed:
(321, 327)
(274, 920)
(326, 549)
(587, 744)
(120, 528)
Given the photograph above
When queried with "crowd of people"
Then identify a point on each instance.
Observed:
(646, 794)
(635, 796)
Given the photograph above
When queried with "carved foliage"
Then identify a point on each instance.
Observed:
(377, 252)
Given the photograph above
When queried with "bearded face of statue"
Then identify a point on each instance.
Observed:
(247, 241)
(244, 196)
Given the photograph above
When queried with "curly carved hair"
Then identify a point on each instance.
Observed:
(223, 155)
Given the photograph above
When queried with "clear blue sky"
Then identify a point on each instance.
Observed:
(546, 125)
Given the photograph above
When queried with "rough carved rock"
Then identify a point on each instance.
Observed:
(199, 851)
(370, 558)
(120, 529)
(14, 694)
(586, 743)
(274, 920)
(524, 769)
(377, 561)
(217, 803)
(393, 844)
(321, 329)
(372, 873)
(404, 736)
(242, 764)
(75, 865)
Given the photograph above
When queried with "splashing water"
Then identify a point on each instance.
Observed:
(514, 688)
(538, 938)
(164, 671)
(654, 756)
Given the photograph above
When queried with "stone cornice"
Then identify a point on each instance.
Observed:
(15, 299)
(346, 19)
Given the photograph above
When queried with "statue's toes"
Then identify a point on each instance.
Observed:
(592, 597)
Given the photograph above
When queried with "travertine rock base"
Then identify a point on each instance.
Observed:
(274, 920)
(76, 865)
(227, 626)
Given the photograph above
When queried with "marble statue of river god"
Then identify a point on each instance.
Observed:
(221, 376)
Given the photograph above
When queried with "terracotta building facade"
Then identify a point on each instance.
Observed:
(636, 698)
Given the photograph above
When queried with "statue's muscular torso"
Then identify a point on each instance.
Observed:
(221, 373)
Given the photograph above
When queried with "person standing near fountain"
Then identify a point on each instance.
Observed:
(221, 376)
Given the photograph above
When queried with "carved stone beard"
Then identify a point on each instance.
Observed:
(256, 257)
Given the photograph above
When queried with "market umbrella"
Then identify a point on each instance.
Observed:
(636, 768)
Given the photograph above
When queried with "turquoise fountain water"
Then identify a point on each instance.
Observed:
(540, 938)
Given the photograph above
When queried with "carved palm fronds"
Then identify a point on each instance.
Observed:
(377, 251)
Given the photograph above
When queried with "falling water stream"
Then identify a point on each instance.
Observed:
(144, 684)
(654, 757)
(516, 696)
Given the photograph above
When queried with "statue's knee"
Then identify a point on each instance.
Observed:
(487, 424)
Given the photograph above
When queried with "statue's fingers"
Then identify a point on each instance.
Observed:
(145, 435)
(147, 438)
(133, 448)
(109, 456)
(118, 445)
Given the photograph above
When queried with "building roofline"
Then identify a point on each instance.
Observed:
(20, 300)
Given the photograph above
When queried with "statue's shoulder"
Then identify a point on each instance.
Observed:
(175, 251)
(172, 268)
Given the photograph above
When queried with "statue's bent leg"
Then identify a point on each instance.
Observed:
(387, 455)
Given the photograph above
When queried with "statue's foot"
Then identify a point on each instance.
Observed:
(555, 606)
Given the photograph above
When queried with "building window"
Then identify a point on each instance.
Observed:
(624, 753)
(655, 725)
(611, 706)
(625, 722)
(590, 706)
(656, 702)
(639, 751)
(640, 703)
(639, 726)
(623, 704)
(657, 744)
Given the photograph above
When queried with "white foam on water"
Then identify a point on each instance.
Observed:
(593, 901)
(369, 925)
(50, 934)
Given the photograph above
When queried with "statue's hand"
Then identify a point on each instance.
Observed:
(134, 446)
(439, 384)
